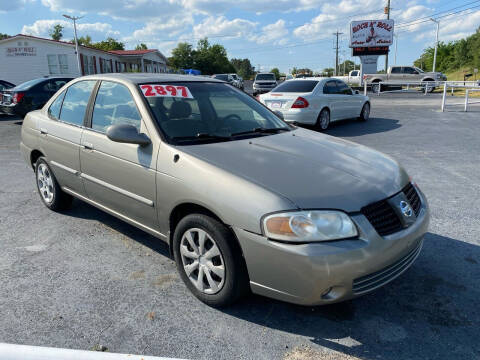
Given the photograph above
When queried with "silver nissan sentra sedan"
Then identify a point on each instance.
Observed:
(246, 201)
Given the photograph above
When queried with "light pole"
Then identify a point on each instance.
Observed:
(436, 44)
(75, 18)
(396, 46)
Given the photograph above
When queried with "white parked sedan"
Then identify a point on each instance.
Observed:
(316, 101)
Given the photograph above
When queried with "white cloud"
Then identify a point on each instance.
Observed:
(221, 26)
(274, 34)
(95, 30)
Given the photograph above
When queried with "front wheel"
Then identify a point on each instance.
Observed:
(375, 88)
(365, 114)
(323, 120)
(209, 260)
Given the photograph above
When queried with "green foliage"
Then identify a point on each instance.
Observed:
(276, 72)
(349, 65)
(328, 72)
(451, 56)
(243, 67)
(4, 36)
(83, 40)
(141, 46)
(57, 32)
(209, 59)
(109, 44)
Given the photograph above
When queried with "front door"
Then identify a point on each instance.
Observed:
(61, 131)
(119, 176)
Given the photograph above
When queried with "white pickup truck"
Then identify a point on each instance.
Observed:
(404, 75)
(353, 78)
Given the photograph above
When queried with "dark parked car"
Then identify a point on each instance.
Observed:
(30, 95)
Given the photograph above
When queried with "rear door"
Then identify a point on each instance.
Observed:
(350, 102)
(335, 100)
(396, 74)
(60, 133)
(116, 175)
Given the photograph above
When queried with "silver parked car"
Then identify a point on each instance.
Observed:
(317, 101)
(264, 82)
(245, 201)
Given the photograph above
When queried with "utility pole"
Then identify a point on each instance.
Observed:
(396, 46)
(387, 11)
(436, 44)
(337, 34)
(75, 18)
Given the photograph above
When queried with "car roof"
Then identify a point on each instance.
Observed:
(140, 78)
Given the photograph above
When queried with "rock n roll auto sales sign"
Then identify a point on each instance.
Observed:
(369, 33)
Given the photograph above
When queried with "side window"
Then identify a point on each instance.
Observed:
(54, 109)
(76, 101)
(396, 70)
(343, 88)
(408, 70)
(114, 105)
(330, 88)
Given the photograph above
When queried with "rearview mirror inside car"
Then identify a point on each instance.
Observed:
(124, 133)
(279, 114)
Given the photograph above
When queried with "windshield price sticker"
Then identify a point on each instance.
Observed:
(157, 90)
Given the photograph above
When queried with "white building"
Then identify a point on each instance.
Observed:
(25, 57)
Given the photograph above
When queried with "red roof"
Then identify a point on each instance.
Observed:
(132, 52)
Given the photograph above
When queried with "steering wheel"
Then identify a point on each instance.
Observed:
(228, 122)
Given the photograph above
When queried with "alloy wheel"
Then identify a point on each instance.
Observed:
(202, 261)
(366, 112)
(324, 120)
(45, 183)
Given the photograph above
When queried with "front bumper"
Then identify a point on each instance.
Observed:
(328, 272)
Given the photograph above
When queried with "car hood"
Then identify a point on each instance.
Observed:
(310, 169)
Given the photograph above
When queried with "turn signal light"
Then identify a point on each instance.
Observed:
(17, 97)
(300, 103)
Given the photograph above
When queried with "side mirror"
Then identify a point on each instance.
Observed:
(124, 133)
(279, 114)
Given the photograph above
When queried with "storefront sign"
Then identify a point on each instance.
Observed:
(22, 51)
(369, 33)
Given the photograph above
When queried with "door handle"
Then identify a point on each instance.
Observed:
(87, 146)
(43, 131)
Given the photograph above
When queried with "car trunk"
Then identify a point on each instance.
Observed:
(6, 97)
(283, 100)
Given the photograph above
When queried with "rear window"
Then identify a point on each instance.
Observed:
(28, 84)
(296, 86)
(221, 77)
(265, 77)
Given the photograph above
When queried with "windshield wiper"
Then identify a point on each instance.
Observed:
(261, 131)
(202, 136)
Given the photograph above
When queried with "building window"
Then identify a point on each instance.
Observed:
(57, 64)
(88, 65)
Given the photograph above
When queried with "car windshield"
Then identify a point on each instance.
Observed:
(28, 84)
(302, 86)
(199, 112)
(419, 70)
(221, 77)
(265, 77)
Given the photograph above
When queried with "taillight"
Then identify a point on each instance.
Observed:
(300, 103)
(17, 97)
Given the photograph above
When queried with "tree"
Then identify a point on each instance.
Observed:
(243, 67)
(327, 72)
(141, 46)
(83, 40)
(276, 72)
(57, 32)
(182, 56)
(4, 36)
(109, 44)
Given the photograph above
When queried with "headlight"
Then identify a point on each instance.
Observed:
(301, 226)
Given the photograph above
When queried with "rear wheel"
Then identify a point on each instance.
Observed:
(323, 120)
(50, 192)
(209, 260)
(365, 114)
(375, 88)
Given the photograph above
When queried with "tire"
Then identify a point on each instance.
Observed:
(323, 120)
(430, 88)
(218, 288)
(375, 87)
(47, 186)
(365, 114)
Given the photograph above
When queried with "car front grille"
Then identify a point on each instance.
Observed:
(379, 278)
(382, 216)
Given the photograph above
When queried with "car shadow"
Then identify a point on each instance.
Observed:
(83, 210)
(419, 315)
(354, 127)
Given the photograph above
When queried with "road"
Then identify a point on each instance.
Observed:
(81, 278)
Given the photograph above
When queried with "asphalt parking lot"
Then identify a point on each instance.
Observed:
(83, 279)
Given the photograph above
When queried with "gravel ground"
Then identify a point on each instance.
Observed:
(83, 279)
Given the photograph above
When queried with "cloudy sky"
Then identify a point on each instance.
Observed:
(271, 33)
